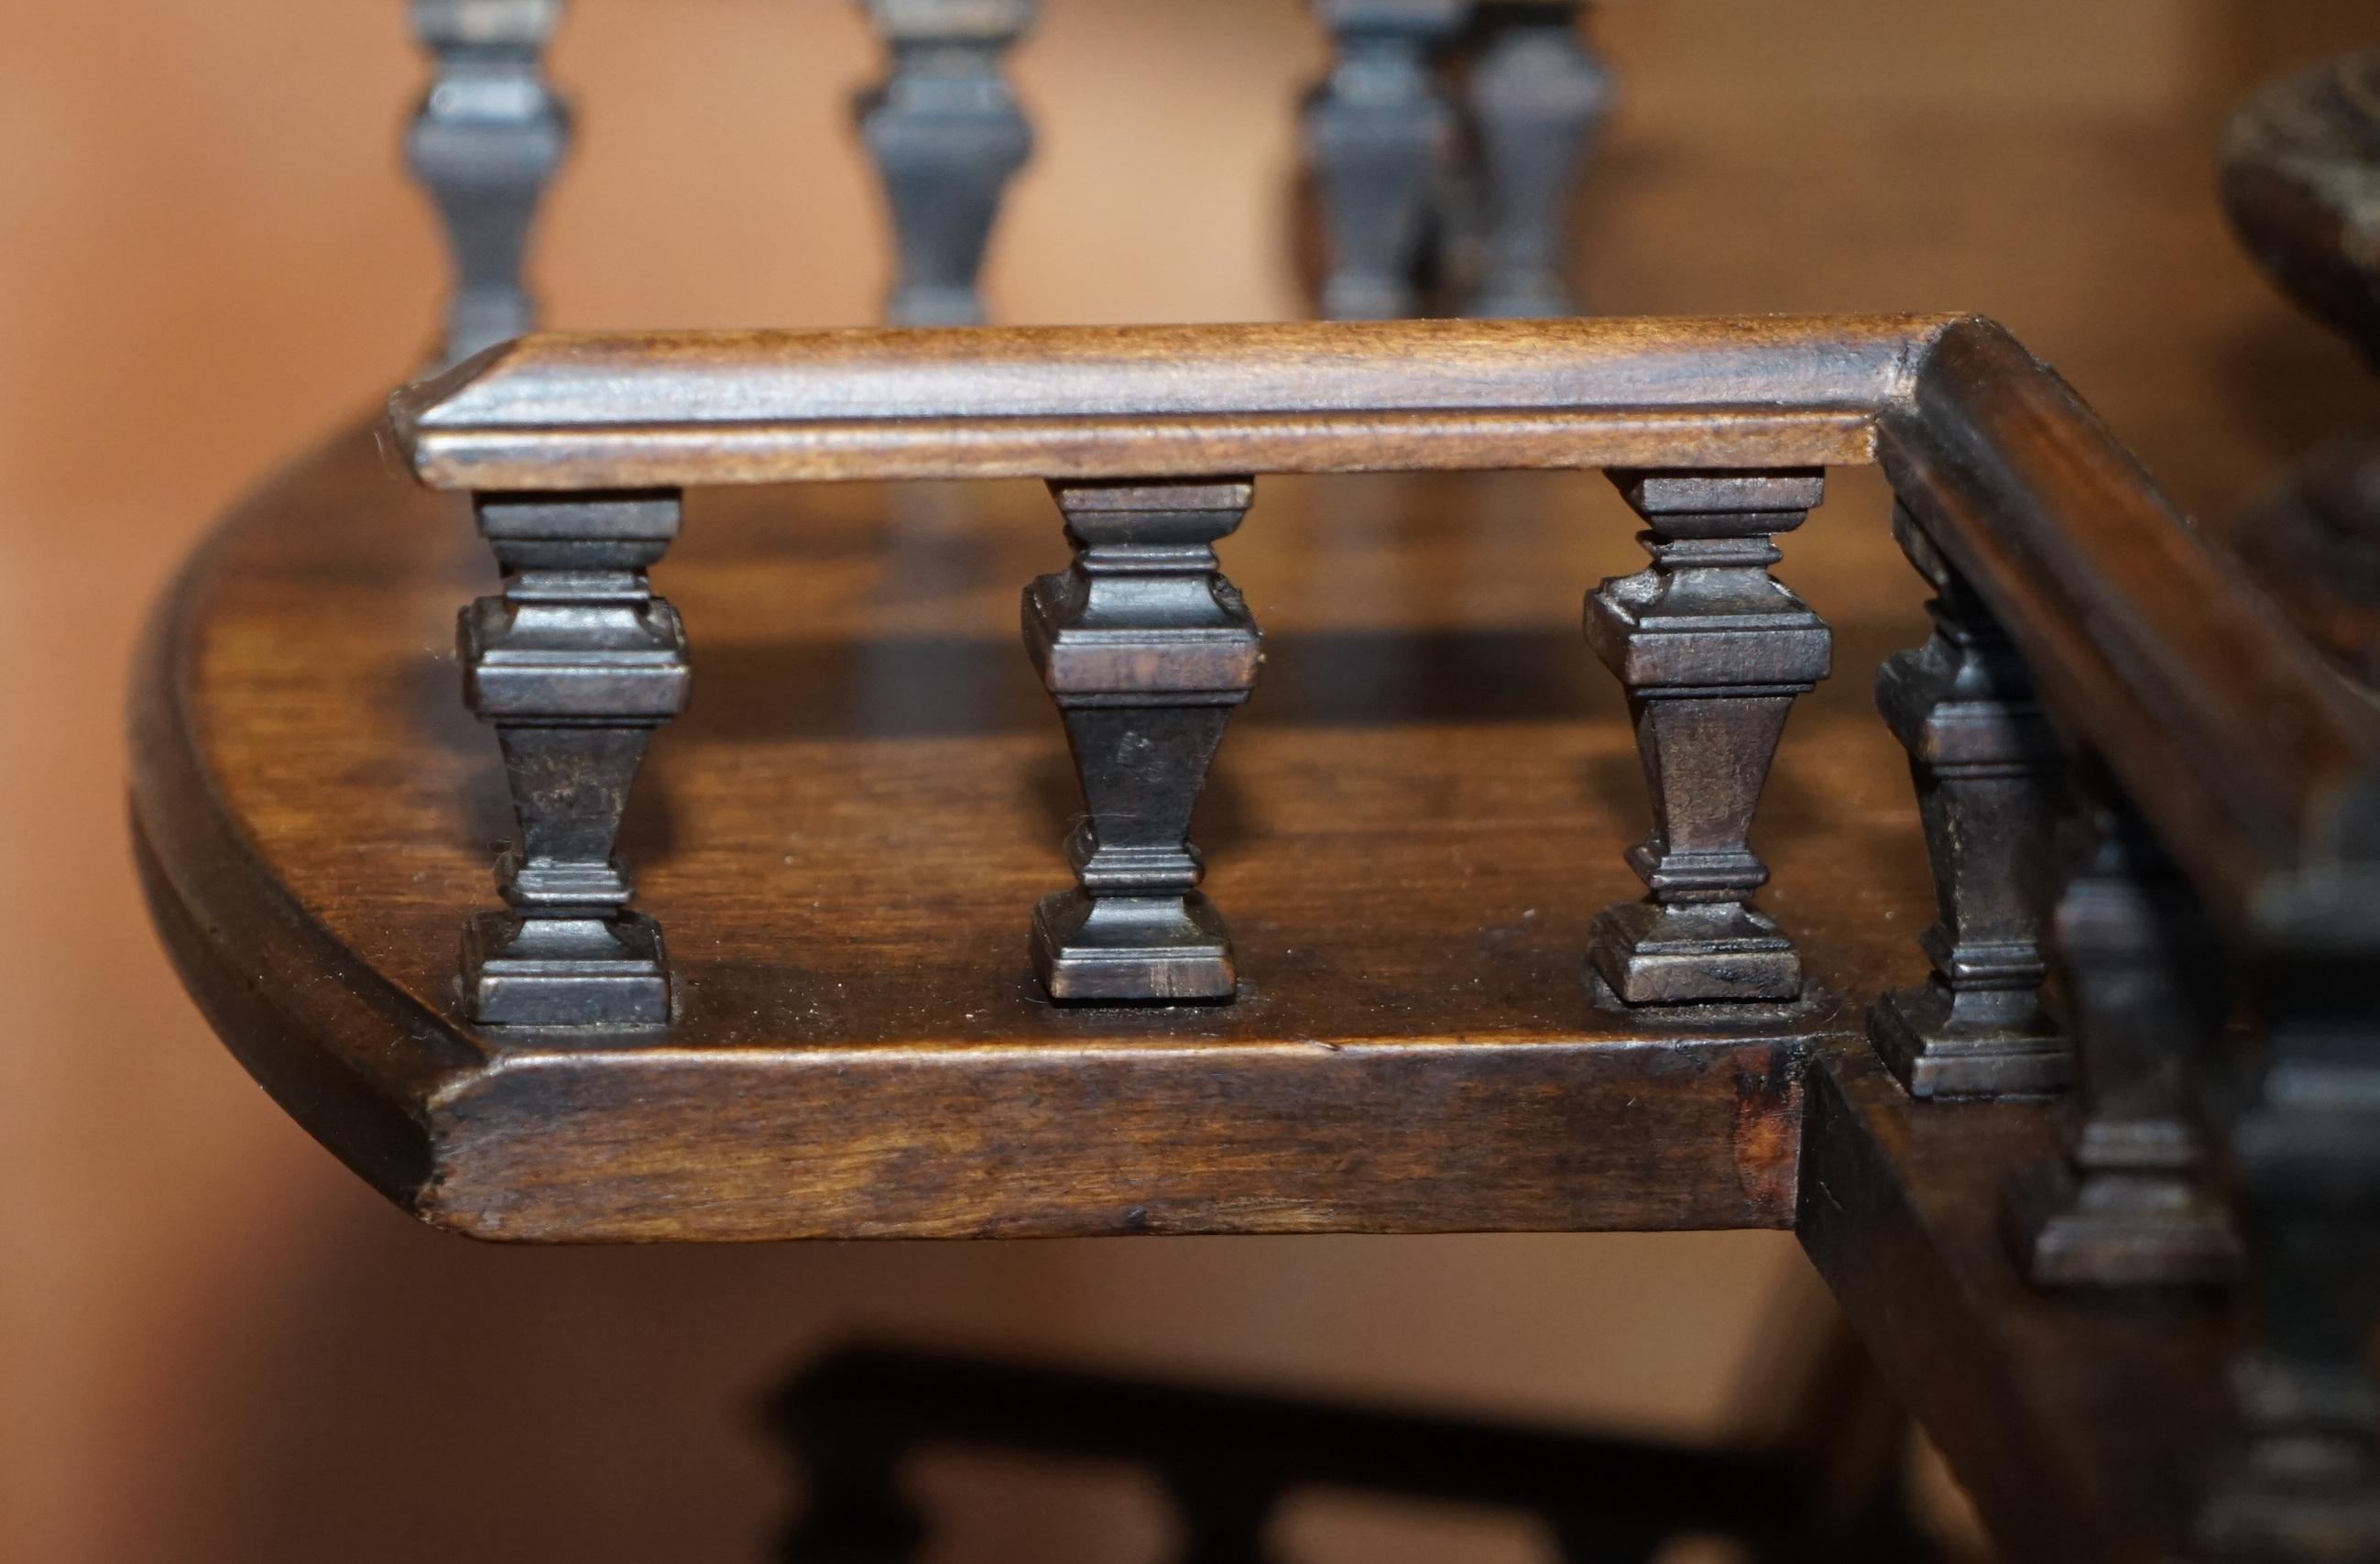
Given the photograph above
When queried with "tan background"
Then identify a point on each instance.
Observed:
(216, 1345)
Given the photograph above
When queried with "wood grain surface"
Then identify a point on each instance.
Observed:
(651, 409)
(1419, 811)
(2084, 1426)
(843, 835)
(2259, 766)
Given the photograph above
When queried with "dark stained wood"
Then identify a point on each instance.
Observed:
(788, 973)
(1712, 650)
(2305, 1171)
(841, 832)
(1411, 865)
(1987, 769)
(1147, 650)
(2258, 767)
(1441, 150)
(2086, 1432)
(2128, 1204)
(1230, 1460)
(671, 409)
(2303, 1156)
(2252, 759)
(575, 665)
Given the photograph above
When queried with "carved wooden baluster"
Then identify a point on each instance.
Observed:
(1987, 766)
(2304, 1161)
(947, 136)
(1536, 95)
(1712, 649)
(576, 664)
(2129, 1206)
(1146, 650)
(1378, 135)
(486, 140)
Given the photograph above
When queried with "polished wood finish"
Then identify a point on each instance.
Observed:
(1712, 650)
(576, 664)
(2085, 1432)
(1987, 769)
(671, 409)
(860, 1047)
(1146, 650)
(2247, 756)
(1824, 1490)
(557, 413)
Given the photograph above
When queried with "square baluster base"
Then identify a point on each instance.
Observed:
(2154, 1232)
(564, 972)
(1132, 949)
(1650, 955)
(1911, 1032)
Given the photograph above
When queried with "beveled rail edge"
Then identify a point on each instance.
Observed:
(2260, 769)
(583, 412)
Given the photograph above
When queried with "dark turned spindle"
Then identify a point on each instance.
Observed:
(1146, 650)
(575, 665)
(1536, 95)
(2304, 1166)
(947, 136)
(1987, 766)
(1712, 649)
(1379, 133)
(486, 141)
(2129, 1206)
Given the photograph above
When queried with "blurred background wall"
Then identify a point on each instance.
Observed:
(214, 1344)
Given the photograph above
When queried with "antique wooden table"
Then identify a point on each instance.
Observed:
(851, 1035)
(2099, 1189)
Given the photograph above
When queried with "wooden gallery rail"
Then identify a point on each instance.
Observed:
(2051, 1288)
